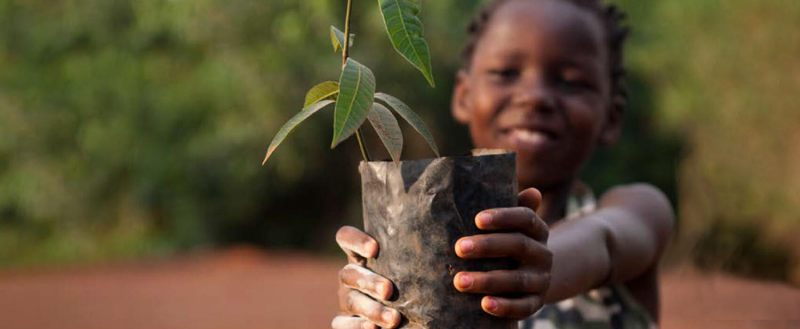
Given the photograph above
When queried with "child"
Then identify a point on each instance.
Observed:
(543, 78)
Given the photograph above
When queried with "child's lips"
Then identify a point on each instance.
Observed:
(529, 139)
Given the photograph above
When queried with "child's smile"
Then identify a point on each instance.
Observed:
(539, 84)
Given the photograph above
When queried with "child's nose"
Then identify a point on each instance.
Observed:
(535, 94)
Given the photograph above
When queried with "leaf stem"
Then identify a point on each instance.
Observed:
(345, 55)
(360, 139)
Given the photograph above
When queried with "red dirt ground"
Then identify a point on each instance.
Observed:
(249, 289)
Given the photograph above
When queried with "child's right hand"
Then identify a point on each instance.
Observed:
(359, 288)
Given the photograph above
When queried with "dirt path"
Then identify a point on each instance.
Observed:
(248, 289)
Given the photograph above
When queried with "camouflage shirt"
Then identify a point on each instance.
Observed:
(609, 307)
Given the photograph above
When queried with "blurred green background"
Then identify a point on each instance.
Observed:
(135, 128)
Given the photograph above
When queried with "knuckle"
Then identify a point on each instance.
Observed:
(528, 213)
(547, 258)
(542, 228)
(525, 281)
(533, 305)
(349, 302)
(374, 313)
(343, 299)
(524, 244)
(545, 281)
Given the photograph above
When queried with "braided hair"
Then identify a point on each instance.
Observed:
(616, 32)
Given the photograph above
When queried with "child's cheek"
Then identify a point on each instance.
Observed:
(585, 116)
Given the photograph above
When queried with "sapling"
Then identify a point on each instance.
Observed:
(354, 94)
(415, 210)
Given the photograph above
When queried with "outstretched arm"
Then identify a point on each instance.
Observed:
(619, 242)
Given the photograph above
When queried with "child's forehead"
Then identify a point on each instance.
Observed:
(555, 22)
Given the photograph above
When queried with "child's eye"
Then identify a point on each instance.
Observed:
(504, 74)
(574, 83)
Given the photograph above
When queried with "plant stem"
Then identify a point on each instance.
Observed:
(345, 55)
(346, 45)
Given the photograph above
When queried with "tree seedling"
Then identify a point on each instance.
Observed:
(354, 94)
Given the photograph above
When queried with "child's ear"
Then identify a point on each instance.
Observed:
(612, 130)
(460, 101)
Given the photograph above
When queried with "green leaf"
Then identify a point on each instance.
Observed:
(356, 94)
(337, 38)
(388, 130)
(412, 118)
(291, 124)
(401, 18)
(321, 91)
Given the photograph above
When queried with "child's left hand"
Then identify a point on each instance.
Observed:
(527, 244)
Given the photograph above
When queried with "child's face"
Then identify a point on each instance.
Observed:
(539, 84)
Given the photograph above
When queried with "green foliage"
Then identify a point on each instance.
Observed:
(287, 128)
(412, 118)
(125, 125)
(322, 91)
(388, 130)
(337, 38)
(730, 99)
(401, 18)
(356, 92)
(738, 246)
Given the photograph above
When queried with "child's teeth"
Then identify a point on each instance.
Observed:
(527, 136)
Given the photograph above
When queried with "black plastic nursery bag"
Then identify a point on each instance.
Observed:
(417, 210)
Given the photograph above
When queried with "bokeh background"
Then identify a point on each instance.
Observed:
(134, 129)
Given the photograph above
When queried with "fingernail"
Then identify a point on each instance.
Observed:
(371, 249)
(464, 281)
(367, 325)
(466, 246)
(383, 290)
(388, 316)
(490, 304)
(484, 219)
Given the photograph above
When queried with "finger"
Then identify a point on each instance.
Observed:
(518, 219)
(512, 308)
(351, 322)
(356, 244)
(502, 282)
(530, 198)
(366, 281)
(356, 303)
(505, 245)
